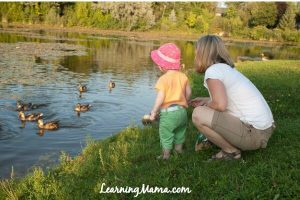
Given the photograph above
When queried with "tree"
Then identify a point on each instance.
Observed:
(262, 14)
(288, 20)
(132, 15)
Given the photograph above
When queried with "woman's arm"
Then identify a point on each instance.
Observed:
(218, 95)
(159, 100)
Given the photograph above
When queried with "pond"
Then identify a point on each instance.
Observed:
(51, 80)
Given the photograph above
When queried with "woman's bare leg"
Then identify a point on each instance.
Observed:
(202, 119)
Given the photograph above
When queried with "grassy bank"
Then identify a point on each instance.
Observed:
(128, 159)
(136, 35)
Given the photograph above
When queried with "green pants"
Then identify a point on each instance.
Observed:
(172, 128)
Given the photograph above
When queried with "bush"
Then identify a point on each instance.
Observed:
(52, 17)
(260, 33)
(231, 25)
(291, 36)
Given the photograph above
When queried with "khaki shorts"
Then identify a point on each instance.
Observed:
(239, 134)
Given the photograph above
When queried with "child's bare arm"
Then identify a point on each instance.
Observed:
(159, 100)
(188, 92)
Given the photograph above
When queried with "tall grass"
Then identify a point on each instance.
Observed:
(128, 159)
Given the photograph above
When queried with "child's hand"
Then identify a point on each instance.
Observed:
(152, 116)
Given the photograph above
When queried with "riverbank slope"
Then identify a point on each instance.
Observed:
(136, 35)
(128, 159)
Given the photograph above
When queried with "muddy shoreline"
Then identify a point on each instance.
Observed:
(136, 35)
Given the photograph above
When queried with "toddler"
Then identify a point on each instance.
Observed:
(173, 93)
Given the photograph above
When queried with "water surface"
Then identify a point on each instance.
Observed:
(53, 83)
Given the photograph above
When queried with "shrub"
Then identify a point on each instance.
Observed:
(291, 36)
(260, 33)
(52, 17)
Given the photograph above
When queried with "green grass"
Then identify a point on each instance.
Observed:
(128, 159)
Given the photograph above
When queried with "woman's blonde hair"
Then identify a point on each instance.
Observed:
(211, 50)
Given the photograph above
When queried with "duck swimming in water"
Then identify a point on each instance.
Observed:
(21, 106)
(111, 84)
(82, 107)
(82, 88)
(52, 125)
(29, 117)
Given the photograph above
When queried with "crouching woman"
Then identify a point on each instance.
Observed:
(235, 117)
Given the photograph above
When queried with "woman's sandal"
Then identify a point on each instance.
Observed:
(228, 156)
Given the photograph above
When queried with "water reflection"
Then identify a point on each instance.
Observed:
(54, 83)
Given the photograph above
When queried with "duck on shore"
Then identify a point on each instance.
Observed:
(248, 58)
(82, 107)
(263, 57)
(29, 117)
(51, 125)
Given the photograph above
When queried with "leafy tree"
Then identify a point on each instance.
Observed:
(288, 20)
(10, 12)
(131, 15)
(262, 14)
(281, 8)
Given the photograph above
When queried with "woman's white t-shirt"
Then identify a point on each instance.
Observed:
(244, 99)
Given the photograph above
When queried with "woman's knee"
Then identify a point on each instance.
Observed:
(197, 116)
(202, 115)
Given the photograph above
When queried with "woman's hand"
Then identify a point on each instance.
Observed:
(199, 101)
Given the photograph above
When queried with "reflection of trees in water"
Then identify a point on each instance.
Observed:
(255, 50)
(123, 58)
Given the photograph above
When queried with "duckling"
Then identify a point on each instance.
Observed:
(21, 106)
(111, 84)
(82, 88)
(29, 117)
(82, 107)
(52, 125)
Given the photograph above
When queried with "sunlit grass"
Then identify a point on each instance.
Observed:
(128, 159)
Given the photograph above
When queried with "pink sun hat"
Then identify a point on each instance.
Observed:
(167, 56)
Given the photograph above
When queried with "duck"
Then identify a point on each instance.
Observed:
(82, 88)
(263, 57)
(111, 84)
(29, 117)
(51, 125)
(247, 58)
(21, 106)
(82, 107)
